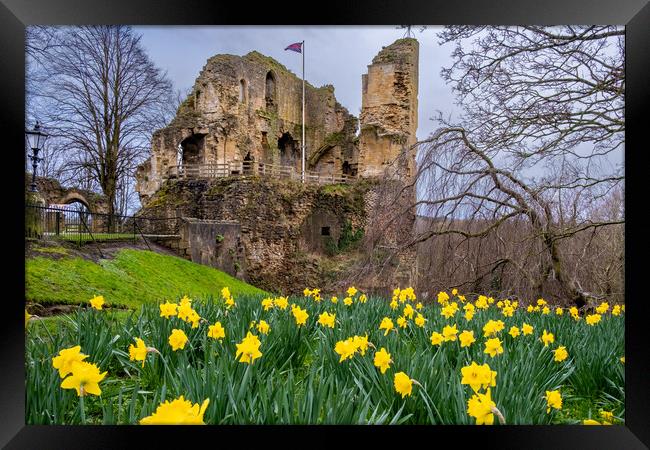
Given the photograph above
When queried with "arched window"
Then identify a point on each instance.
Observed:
(197, 97)
(242, 91)
(269, 94)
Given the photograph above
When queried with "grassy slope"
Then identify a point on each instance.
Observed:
(133, 277)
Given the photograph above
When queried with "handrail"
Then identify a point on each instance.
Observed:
(244, 168)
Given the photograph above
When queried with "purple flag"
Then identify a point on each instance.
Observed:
(297, 47)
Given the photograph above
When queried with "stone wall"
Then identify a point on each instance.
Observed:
(278, 222)
(213, 243)
(250, 108)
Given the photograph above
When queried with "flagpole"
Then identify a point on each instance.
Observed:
(303, 111)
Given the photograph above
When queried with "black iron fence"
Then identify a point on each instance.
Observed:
(48, 222)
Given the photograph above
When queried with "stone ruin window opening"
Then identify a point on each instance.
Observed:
(192, 150)
(325, 231)
(242, 91)
(270, 92)
(289, 152)
(348, 169)
(197, 97)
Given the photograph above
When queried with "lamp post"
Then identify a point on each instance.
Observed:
(36, 139)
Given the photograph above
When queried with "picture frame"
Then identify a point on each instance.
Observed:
(15, 15)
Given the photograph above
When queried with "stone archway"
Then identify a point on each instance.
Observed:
(74, 196)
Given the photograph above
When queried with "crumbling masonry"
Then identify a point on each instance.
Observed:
(243, 117)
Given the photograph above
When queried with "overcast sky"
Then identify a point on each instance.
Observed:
(336, 55)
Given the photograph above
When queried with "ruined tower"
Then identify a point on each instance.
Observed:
(389, 111)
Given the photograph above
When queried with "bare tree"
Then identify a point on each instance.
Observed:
(102, 99)
(515, 187)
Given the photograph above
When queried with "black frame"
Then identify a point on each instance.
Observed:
(635, 14)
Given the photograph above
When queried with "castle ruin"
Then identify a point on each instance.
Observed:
(243, 120)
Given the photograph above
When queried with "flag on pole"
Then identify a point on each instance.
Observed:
(297, 47)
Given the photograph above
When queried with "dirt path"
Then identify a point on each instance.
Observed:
(90, 251)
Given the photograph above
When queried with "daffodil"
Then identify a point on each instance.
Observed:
(592, 319)
(194, 318)
(281, 302)
(590, 422)
(177, 339)
(482, 302)
(177, 412)
(603, 308)
(347, 301)
(436, 338)
(547, 338)
(403, 384)
(248, 348)
(351, 291)
(216, 331)
(492, 327)
(480, 407)
(526, 329)
(225, 292)
(185, 311)
(382, 360)
(553, 400)
(300, 315)
(401, 322)
(514, 332)
(267, 304)
(66, 358)
(326, 319)
(466, 338)
(139, 351)
(420, 320)
(386, 324)
(97, 302)
(478, 377)
(361, 343)
(508, 311)
(493, 347)
(84, 379)
(449, 332)
(168, 309)
(560, 354)
(346, 349)
(263, 327)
